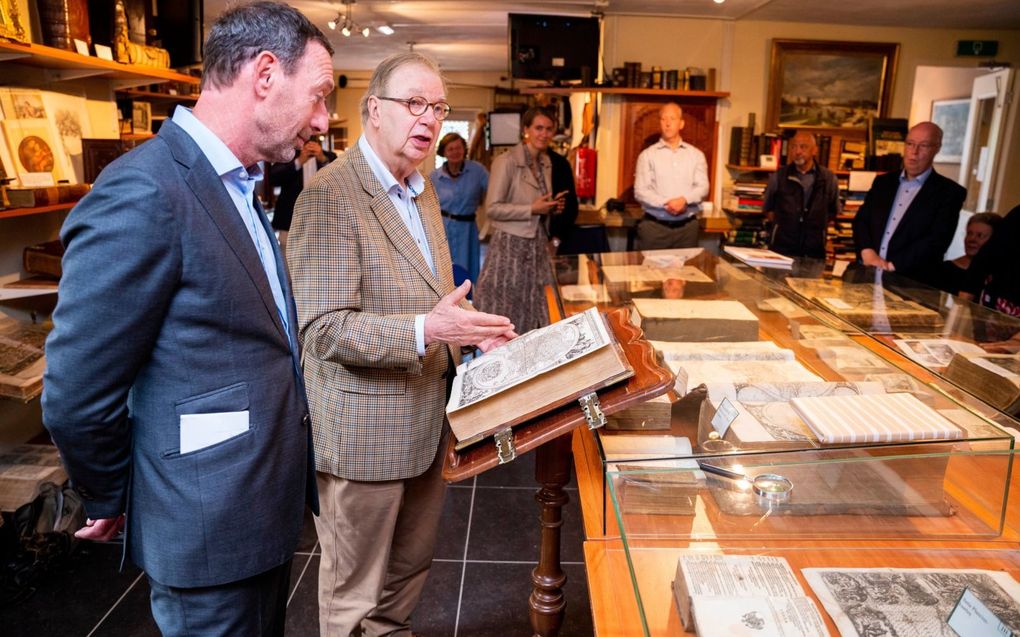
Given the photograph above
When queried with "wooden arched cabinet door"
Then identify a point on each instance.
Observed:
(641, 130)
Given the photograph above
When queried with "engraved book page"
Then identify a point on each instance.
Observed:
(757, 617)
(533, 353)
(908, 602)
(731, 576)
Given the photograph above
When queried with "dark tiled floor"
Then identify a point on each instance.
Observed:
(478, 585)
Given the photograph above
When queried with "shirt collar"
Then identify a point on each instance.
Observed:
(815, 169)
(223, 160)
(442, 174)
(415, 182)
(919, 179)
(663, 144)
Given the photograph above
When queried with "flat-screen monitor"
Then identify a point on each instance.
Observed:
(553, 48)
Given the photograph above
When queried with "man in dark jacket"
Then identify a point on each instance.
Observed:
(802, 198)
(292, 177)
(908, 218)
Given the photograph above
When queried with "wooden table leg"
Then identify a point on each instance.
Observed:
(552, 471)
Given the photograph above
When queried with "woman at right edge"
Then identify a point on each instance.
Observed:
(531, 204)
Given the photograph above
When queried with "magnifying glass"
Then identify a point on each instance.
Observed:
(771, 487)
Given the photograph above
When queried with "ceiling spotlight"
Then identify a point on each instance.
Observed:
(385, 29)
(332, 25)
(365, 31)
(346, 31)
(718, 1)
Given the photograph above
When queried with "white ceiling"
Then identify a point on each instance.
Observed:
(470, 35)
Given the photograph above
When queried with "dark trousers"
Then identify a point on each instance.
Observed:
(256, 606)
(652, 235)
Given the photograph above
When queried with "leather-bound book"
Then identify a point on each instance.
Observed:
(63, 22)
(44, 258)
(46, 196)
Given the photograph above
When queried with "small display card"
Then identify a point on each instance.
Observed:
(81, 46)
(724, 416)
(104, 52)
(971, 618)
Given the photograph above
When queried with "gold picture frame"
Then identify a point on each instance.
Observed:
(10, 22)
(829, 85)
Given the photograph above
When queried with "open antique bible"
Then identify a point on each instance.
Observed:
(533, 374)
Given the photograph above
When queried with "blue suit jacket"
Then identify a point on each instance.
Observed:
(164, 309)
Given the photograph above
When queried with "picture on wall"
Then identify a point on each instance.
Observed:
(141, 117)
(951, 116)
(22, 104)
(32, 150)
(12, 23)
(829, 85)
(70, 118)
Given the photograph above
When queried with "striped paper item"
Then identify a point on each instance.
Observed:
(873, 418)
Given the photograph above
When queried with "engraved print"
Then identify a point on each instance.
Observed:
(533, 353)
(908, 602)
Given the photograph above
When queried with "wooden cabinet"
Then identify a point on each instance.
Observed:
(640, 129)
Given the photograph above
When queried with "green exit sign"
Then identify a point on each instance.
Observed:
(977, 48)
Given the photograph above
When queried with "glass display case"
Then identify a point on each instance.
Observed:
(755, 349)
(965, 343)
(792, 430)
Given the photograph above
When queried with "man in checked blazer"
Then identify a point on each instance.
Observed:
(173, 385)
(382, 324)
(908, 218)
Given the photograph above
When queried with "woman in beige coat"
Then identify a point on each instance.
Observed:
(530, 204)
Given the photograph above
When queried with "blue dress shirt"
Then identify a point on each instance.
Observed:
(240, 185)
(403, 197)
(905, 194)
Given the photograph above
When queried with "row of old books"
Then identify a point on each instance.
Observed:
(743, 206)
(747, 149)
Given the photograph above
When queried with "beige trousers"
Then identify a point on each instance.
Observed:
(377, 541)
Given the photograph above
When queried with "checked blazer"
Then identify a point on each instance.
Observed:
(359, 280)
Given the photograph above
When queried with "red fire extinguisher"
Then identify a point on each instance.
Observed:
(584, 172)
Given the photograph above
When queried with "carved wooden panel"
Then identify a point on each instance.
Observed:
(641, 130)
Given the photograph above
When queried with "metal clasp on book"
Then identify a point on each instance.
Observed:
(505, 449)
(592, 410)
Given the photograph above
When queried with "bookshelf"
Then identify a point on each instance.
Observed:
(38, 210)
(763, 169)
(742, 203)
(621, 90)
(66, 65)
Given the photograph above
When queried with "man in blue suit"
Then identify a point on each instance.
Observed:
(909, 217)
(173, 387)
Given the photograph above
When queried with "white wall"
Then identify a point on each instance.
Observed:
(940, 83)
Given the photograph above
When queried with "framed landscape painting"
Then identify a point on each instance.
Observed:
(829, 85)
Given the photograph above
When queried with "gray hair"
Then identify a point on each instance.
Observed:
(382, 74)
(243, 31)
